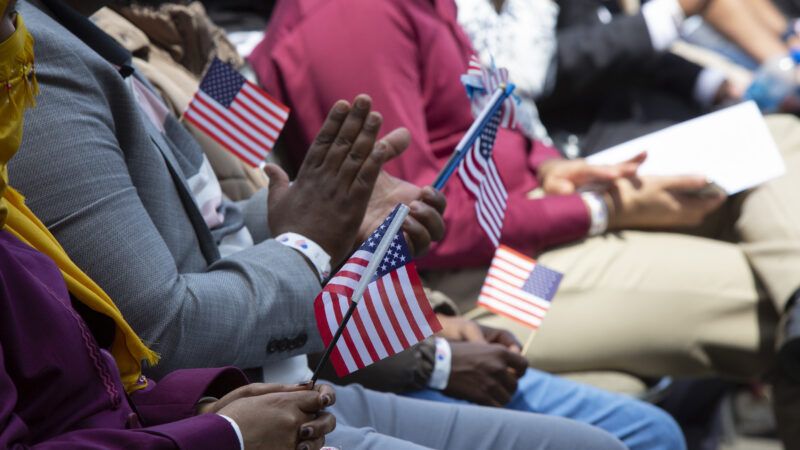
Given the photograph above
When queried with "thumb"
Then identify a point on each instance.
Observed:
(278, 179)
(559, 186)
(631, 166)
(396, 142)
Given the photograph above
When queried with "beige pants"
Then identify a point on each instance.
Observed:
(658, 303)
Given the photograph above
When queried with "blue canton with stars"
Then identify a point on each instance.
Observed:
(222, 83)
(488, 136)
(398, 254)
(543, 282)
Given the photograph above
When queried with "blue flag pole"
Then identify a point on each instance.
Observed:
(491, 108)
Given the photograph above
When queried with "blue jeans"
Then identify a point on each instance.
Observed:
(638, 425)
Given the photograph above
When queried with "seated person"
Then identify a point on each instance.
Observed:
(167, 247)
(72, 393)
(596, 82)
(643, 302)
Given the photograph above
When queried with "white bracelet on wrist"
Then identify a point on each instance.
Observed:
(443, 361)
(598, 212)
(319, 258)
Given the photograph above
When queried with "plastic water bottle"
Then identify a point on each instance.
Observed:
(774, 81)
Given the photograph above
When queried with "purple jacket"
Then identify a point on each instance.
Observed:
(59, 389)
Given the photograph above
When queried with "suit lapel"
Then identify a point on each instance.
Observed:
(204, 236)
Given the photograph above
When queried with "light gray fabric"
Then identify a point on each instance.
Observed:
(100, 179)
(372, 420)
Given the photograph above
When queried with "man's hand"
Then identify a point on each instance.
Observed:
(424, 223)
(279, 417)
(502, 337)
(459, 329)
(327, 201)
(659, 202)
(564, 177)
(485, 374)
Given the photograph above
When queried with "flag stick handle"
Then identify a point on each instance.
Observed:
(491, 108)
(363, 282)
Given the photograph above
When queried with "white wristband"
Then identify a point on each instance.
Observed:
(443, 361)
(236, 429)
(598, 211)
(319, 258)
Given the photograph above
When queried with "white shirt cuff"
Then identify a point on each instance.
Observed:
(443, 362)
(236, 429)
(598, 212)
(663, 19)
(319, 258)
(707, 86)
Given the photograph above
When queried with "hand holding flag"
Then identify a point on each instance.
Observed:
(394, 314)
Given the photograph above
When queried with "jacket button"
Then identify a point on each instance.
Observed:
(283, 345)
(272, 347)
(299, 341)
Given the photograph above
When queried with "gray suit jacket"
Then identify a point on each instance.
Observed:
(112, 189)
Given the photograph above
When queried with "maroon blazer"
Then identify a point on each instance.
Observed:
(408, 56)
(58, 388)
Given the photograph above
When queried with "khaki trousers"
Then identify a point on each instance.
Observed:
(667, 303)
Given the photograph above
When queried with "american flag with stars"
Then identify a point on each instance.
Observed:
(393, 314)
(481, 178)
(481, 82)
(518, 288)
(236, 113)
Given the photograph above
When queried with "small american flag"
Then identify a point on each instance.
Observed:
(518, 288)
(481, 82)
(237, 114)
(393, 315)
(480, 176)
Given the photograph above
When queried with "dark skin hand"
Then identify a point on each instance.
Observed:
(424, 223)
(485, 374)
(328, 199)
(273, 416)
(486, 362)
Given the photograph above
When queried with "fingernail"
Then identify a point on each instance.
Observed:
(362, 103)
(341, 107)
(372, 120)
(306, 432)
(326, 400)
(303, 446)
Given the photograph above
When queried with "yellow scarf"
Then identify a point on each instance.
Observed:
(17, 90)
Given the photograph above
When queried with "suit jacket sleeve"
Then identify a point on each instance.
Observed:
(591, 56)
(90, 193)
(208, 431)
(176, 395)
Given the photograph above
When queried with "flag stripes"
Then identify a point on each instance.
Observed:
(479, 175)
(518, 288)
(237, 114)
(393, 314)
(482, 82)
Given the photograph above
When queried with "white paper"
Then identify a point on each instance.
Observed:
(731, 147)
